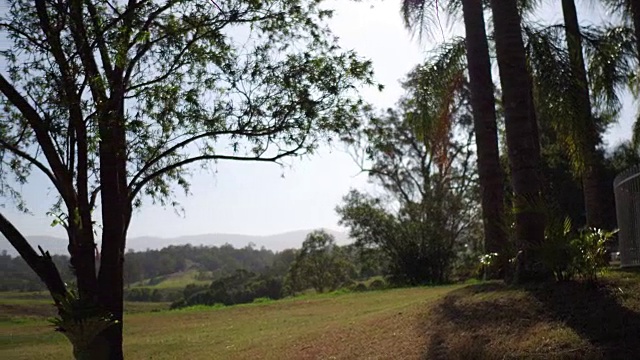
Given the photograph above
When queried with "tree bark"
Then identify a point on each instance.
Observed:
(490, 172)
(590, 174)
(635, 13)
(522, 140)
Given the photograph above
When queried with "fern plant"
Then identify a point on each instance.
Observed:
(81, 322)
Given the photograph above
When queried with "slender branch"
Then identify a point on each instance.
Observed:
(43, 138)
(94, 197)
(186, 142)
(30, 159)
(140, 184)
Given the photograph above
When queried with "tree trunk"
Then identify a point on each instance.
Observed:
(116, 214)
(635, 13)
(490, 173)
(589, 132)
(522, 141)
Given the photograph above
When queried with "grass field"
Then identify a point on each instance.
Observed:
(570, 320)
(326, 326)
(173, 281)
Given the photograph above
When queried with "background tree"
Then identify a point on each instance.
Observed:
(112, 102)
(320, 264)
(419, 15)
(420, 157)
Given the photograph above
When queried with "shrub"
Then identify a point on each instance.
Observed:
(570, 254)
(360, 287)
(557, 252)
(590, 252)
(377, 284)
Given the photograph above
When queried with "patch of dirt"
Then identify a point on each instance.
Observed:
(27, 310)
(392, 335)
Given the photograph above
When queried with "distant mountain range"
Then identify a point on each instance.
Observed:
(276, 242)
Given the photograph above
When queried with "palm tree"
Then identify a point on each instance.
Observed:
(417, 15)
(587, 132)
(522, 137)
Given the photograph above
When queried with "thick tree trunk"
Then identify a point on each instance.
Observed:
(522, 142)
(490, 173)
(590, 173)
(116, 213)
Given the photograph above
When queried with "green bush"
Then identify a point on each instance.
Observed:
(557, 252)
(360, 287)
(377, 284)
(569, 254)
(590, 252)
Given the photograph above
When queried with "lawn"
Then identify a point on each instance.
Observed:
(572, 320)
(379, 324)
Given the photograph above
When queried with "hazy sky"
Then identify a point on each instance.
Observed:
(254, 198)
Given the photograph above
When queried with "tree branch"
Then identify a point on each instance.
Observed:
(154, 160)
(136, 187)
(31, 160)
(42, 265)
(38, 126)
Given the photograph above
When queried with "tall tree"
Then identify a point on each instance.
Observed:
(522, 137)
(420, 156)
(586, 131)
(490, 175)
(115, 101)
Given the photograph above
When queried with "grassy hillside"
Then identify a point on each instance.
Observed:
(483, 321)
(173, 281)
(346, 326)
(20, 307)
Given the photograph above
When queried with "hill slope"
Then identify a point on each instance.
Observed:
(486, 321)
(277, 242)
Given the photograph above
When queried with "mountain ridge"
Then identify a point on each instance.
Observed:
(274, 242)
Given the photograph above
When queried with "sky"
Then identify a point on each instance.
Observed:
(265, 199)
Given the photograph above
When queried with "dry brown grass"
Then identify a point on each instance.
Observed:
(571, 320)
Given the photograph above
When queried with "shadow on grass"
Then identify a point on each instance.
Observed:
(596, 313)
(552, 321)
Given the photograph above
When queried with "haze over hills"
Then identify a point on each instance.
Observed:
(277, 242)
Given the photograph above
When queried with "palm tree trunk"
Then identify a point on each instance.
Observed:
(588, 131)
(522, 140)
(635, 13)
(490, 172)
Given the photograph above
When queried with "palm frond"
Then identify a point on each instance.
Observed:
(556, 100)
(421, 17)
(611, 54)
(438, 83)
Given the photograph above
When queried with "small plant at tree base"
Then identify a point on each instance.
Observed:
(487, 263)
(590, 252)
(557, 252)
(81, 322)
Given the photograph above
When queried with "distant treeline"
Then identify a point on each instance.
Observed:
(215, 262)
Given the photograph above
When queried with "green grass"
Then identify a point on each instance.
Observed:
(342, 325)
(489, 320)
(173, 281)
